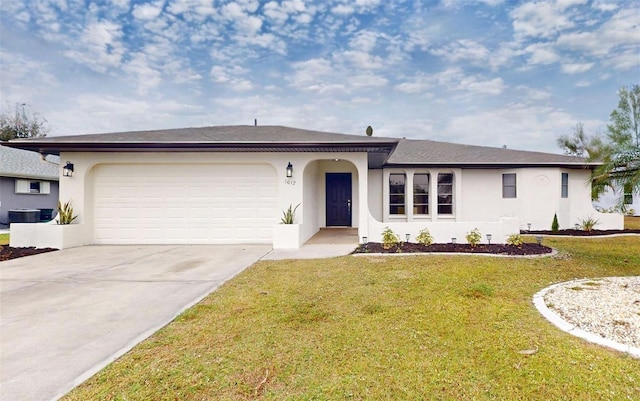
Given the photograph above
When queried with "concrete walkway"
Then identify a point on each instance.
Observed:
(326, 243)
(65, 315)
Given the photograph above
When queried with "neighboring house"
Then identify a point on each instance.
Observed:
(610, 200)
(230, 184)
(27, 181)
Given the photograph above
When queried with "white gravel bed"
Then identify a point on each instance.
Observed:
(608, 307)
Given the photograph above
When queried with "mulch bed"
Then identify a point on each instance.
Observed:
(580, 233)
(7, 252)
(496, 249)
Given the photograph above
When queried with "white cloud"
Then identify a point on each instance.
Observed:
(517, 125)
(541, 19)
(542, 53)
(463, 50)
(576, 68)
(281, 12)
(145, 76)
(232, 77)
(533, 94)
(343, 9)
(148, 11)
(100, 46)
(309, 72)
(489, 87)
(621, 31)
(192, 9)
(602, 6)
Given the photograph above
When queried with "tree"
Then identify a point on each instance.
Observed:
(22, 125)
(624, 129)
(621, 161)
(581, 144)
(619, 151)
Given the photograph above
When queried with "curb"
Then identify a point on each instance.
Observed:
(559, 322)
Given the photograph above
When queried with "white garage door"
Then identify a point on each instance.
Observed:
(184, 204)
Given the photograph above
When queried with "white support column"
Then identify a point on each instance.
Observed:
(408, 194)
(433, 194)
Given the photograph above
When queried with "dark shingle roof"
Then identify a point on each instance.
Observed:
(426, 152)
(247, 138)
(222, 134)
(24, 164)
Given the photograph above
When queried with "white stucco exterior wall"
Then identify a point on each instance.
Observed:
(306, 187)
(478, 203)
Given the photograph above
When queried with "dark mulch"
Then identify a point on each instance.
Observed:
(497, 249)
(7, 252)
(580, 233)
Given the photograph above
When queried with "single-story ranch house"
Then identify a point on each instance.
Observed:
(231, 184)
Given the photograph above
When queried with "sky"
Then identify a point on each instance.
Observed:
(486, 72)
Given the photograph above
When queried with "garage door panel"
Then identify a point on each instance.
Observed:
(184, 204)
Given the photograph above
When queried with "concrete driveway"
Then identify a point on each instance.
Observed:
(65, 315)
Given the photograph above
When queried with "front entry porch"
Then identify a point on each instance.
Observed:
(326, 243)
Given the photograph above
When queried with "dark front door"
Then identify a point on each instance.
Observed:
(338, 199)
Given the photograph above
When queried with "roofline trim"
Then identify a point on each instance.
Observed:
(488, 165)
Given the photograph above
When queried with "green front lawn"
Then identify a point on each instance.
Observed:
(382, 328)
(4, 239)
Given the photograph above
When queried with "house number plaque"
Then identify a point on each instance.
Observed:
(289, 181)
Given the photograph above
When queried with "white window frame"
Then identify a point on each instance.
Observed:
(564, 185)
(23, 187)
(505, 186)
(427, 194)
(452, 194)
(404, 195)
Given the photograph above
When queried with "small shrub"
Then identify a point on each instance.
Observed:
(474, 237)
(65, 213)
(514, 240)
(424, 237)
(289, 215)
(389, 238)
(554, 225)
(629, 212)
(589, 223)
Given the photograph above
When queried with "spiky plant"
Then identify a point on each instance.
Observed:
(65, 213)
(289, 215)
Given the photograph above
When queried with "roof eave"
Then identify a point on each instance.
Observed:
(494, 165)
(249, 146)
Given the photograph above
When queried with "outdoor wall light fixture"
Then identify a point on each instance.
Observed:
(539, 240)
(289, 170)
(489, 238)
(364, 240)
(529, 226)
(67, 170)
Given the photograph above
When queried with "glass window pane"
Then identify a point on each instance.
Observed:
(396, 193)
(445, 178)
(509, 192)
(509, 185)
(445, 193)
